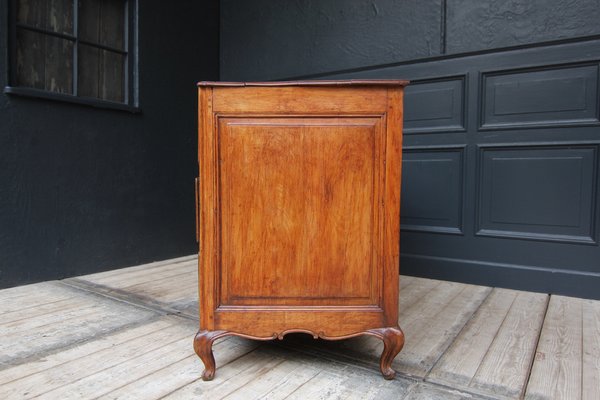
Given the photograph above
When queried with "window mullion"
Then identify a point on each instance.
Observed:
(133, 55)
(12, 73)
(76, 48)
(126, 69)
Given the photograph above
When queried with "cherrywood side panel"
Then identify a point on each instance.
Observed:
(330, 323)
(300, 100)
(299, 206)
(299, 214)
(208, 246)
(391, 205)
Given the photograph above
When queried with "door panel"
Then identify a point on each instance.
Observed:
(435, 106)
(541, 96)
(432, 190)
(539, 193)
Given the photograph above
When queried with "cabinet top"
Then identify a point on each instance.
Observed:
(345, 82)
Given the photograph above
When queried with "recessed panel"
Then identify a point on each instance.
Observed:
(298, 211)
(434, 106)
(432, 191)
(538, 193)
(563, 95)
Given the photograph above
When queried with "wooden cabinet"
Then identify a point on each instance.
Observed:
(298, 208)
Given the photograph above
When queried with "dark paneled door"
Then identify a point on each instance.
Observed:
(501, 170)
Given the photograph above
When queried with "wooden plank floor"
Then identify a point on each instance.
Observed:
(127, 334)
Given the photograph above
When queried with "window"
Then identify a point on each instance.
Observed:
(75, 50)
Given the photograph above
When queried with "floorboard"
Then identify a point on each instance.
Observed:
(429, 324)
(303, 376)
(173, 287)
(81, 316)
(566, 363)
(230, 377)
(173, 348)
(127, 334)
(100, 343)
(63, 370)
(590, 382)
(494, 352)
(24, 297)
(144, 268)
(424, 391)
(140, 277)
(160, 382)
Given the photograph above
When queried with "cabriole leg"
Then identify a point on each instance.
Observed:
(203, 347)
(393, 341)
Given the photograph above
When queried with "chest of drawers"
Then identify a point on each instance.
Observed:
(298, 207)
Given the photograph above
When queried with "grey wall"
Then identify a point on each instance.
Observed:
(85, 189)
(270, 39)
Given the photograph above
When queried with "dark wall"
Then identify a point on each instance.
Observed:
(473, 25)
(84, 189)
(270, 39)
(502, 122)
(500, 168)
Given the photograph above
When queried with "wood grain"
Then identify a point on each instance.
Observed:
(59, 359)
(81, 365)
(80, 316)
(207, 210)
(316, 82)
(238, 373)
(173, 349)
(493, 354)
(113, 353)
(558, 368)
(443, 308)
(390, 207)
(160, 382)
(507, 362)
(291, 211)
(590, 382)
(415, 292)
(445, 312)
(423, 391)
(296, 375)
(143, 269)
(298, 100)
(310, 377)
(20, 298)
(276, 383)
(298, 209)
(460, 362)
(131, 279)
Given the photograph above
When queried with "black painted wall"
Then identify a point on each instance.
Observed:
(501, 165)
(502, 122)
(271, 39)
(85, 189)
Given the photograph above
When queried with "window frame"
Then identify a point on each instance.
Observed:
(130, 51)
